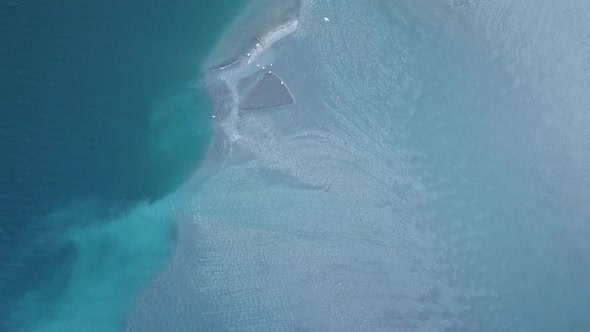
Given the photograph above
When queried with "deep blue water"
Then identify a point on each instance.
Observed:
(102, 117)
(431, 175)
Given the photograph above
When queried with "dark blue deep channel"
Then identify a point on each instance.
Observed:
(102, 116)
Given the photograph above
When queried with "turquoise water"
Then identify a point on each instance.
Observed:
(103, 117)
(431, 174)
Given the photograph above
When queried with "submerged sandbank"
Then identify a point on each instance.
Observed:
(392, 195)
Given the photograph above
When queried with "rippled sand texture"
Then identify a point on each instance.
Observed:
(314, 221)
(365, 187)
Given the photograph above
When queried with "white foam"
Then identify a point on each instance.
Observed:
(231, 75)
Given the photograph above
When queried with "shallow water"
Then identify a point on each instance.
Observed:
(429, 175)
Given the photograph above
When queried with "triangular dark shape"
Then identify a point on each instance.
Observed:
(269, 91)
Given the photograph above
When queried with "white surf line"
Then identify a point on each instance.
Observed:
(272, 37)
(232, 75)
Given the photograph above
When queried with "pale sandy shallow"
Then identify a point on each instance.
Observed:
(377, 200)
(296, 231)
